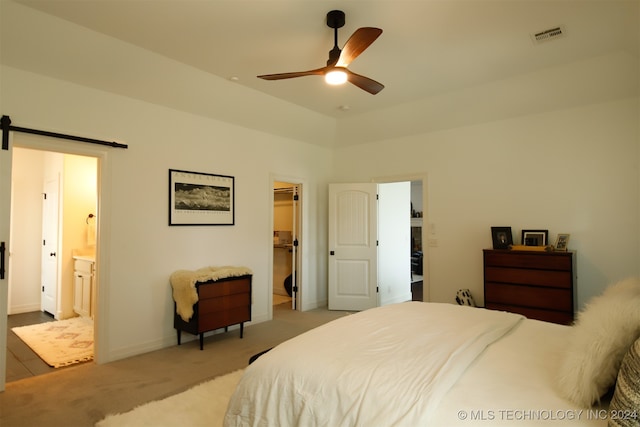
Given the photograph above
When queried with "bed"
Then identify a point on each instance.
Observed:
(431, 364)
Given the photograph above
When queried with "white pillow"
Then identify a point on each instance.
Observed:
(601, 336)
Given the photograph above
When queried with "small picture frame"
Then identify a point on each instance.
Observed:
(197, 198)
(502, 237)
(562, 242)
(535, 237)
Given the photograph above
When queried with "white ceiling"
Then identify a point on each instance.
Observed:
(428, 48)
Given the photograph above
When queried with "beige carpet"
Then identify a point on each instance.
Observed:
(83, 394)
(60, 343)
(202, 405)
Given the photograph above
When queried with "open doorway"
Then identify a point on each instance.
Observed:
(422, 233)
(417, 251)
(286, 245)
(53, 224)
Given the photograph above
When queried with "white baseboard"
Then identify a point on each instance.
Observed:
(397, 299)
(313, 305)
(26, 308)
(168, 341)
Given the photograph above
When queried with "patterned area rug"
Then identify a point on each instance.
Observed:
(60, 343)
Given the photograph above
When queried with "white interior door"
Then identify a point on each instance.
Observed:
(50, 227)
(352, 246)
(394, 242)
(5, 220)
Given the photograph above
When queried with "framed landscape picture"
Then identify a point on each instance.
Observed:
(197, 198)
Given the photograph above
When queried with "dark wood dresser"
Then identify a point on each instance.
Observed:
(538, 285)
(221, 303)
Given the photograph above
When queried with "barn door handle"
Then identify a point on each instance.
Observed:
(2, 252)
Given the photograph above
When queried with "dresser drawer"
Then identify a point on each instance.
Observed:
(529, 296)
(561, 317)
(226, 302)
(547, 278)
(227, 287)
(539, 261)
(221, 319)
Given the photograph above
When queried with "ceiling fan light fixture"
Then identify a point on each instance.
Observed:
(336, 71)
(335, 77)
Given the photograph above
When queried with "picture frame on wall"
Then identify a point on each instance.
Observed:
(502, 237)
(535, 237)
(197, 198)
(562, 242)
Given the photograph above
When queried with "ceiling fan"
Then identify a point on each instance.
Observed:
(336, 71)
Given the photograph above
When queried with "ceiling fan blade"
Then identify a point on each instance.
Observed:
(357, 43)
(280, 76)
(364, 83)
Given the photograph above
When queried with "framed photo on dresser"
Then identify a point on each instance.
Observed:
(502, 237)
(535, 237)
(562, 242)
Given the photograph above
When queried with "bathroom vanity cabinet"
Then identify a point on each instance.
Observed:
(83, 285)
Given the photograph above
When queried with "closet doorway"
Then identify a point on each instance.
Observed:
(286, 245)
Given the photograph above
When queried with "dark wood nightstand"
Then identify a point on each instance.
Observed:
(221, 303)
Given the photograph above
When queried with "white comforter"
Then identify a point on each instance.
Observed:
(388, 366)
(513, 383)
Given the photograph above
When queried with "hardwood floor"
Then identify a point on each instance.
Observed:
(417, 293)
(22, 362)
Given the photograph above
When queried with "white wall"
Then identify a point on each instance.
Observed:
(569, 171)
(79, 199)
(145, 250)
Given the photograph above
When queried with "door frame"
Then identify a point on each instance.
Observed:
(426, 294)
(103, 225)
(302, 264)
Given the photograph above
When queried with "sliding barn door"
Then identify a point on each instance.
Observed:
(5, 221)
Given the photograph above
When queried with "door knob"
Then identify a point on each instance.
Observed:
(52, 254)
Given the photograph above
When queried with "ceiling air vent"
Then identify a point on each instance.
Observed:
(546, 35)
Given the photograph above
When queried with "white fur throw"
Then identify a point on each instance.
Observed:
(601, 336)
(184, 282)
